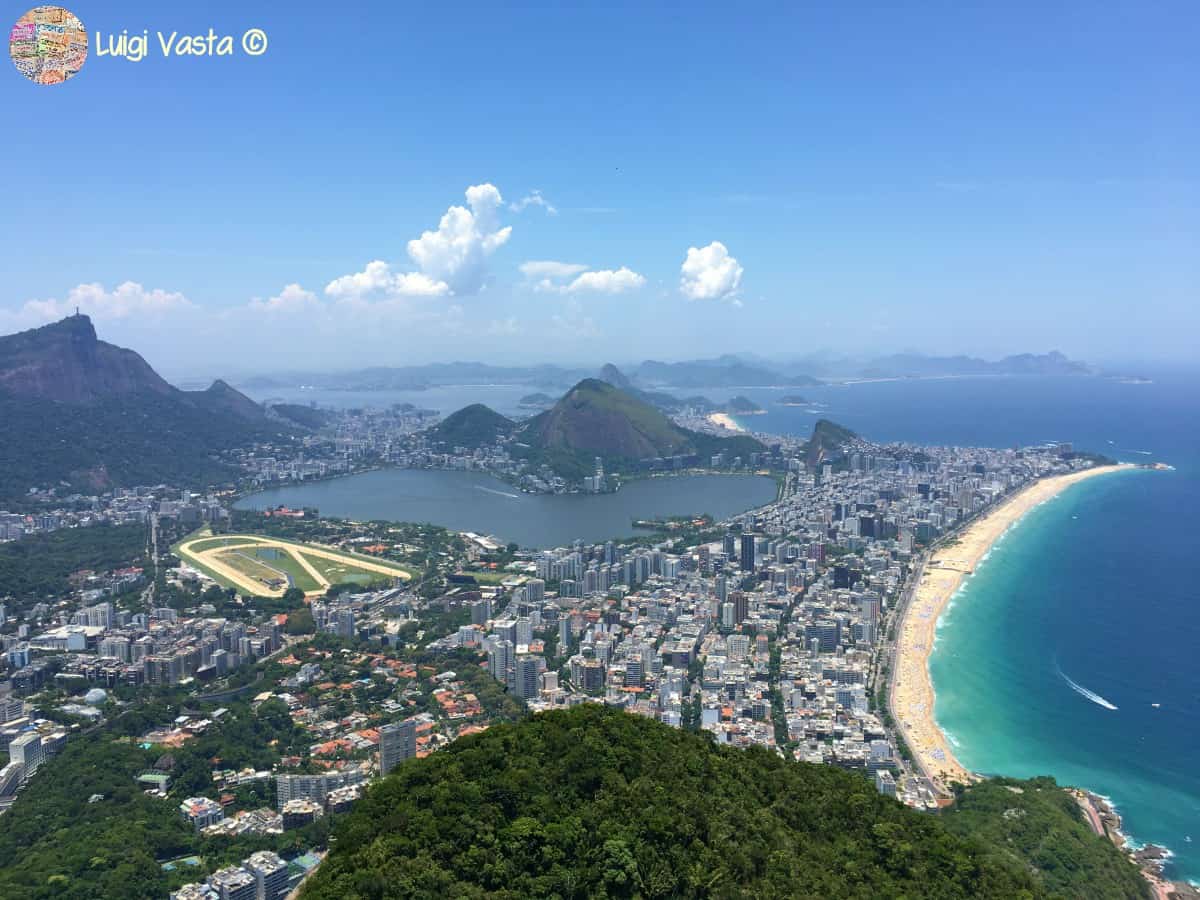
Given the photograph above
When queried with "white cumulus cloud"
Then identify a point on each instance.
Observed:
(572, 278)
(606, 281)
(548, 268)
(548, 274)
(456, 253)
(378, 279)
(450, 260)
(127, 299)
(534, 198)
(709, 273)
(293, 298)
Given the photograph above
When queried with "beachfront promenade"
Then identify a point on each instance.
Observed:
(936, 580)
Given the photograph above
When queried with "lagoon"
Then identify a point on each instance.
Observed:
(473, 501)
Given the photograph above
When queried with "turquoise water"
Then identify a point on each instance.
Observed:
(1051, 656)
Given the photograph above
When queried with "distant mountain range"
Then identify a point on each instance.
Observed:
(915, 365)
(724, 371)
(653, 376)
(829, 367)
(415, 378)
(85, 413)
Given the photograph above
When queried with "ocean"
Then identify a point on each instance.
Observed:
(1086, 614)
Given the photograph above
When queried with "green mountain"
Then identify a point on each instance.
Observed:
(309, 417)
(80, 411)
(1037, 824)
(595, 419)
(220, 399)
(593, 802)
(598, 418)
(472, 426)
(744, 405)
(828, 439)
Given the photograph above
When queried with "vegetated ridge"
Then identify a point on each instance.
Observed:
(594, 802)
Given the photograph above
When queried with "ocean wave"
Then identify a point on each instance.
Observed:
(1084, 692)
(1131, 842)
(1135, 845)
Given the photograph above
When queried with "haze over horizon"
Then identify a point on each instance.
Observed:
(959, 181)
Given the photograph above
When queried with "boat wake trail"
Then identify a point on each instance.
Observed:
(1084, 692)
(480, 487)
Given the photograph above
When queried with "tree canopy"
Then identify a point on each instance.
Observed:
(593, 802)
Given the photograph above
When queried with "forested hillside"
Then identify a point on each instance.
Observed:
(593, 802)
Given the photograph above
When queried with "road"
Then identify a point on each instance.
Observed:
(148, 593)
(889, 651)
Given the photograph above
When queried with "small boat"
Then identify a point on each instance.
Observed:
(1156, 705)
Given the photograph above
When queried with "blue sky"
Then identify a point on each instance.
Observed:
(860, 178)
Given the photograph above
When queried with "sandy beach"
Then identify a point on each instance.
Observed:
(912, 690)
(724, 420)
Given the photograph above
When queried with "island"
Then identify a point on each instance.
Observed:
(536, 401)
